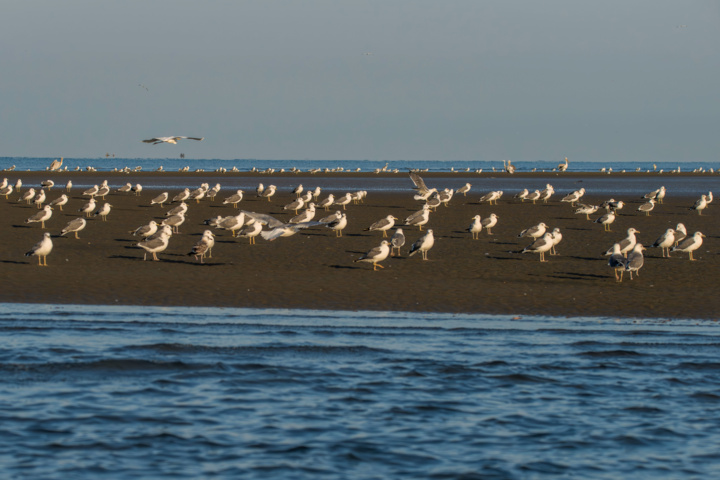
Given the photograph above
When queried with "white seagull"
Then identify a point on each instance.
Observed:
(690, 244)
(423, 245)
(41, 250)
(75, 226)
(376, 255)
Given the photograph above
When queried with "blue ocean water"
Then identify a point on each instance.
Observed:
(173, 164)
(94, 392)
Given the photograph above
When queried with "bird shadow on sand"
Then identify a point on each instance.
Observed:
(344, 267)
(577, 276)
(22, 226)
(14, 262)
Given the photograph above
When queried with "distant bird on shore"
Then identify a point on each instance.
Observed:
(42, 216)
(647, 207)
(563, 166)
(573, 197)
(464, 189)
(423, 245)
(173, 140)
(376, 255)
(490, 222)
(635, 260)
(182, 196)
(606, 220)
(327, 202)
(700, 205)
(234, 199)
(534, 196)
(268, 192)
(541, 245)
(160, 199)
(617, 262)
(535, 232)
(665, 241)
(146, 230)
(475, 227)
(338, 225)
(250, 231)
(656, 195)
(104, 211)
(690, 244)
(383, 225)
(586, 210)
(42, 249)
(56, 165)
(397, 241)
(47, 184)
(59, 202)
(74, 226)
(88, 208)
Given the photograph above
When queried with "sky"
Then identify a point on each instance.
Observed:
(373, 79)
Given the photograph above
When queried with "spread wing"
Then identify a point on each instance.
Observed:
(419, 183)
(264, 219)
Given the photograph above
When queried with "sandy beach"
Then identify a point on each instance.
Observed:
(314, 269)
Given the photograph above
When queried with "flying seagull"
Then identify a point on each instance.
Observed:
(173, 140)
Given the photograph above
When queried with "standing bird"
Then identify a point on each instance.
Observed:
(47, 184)
(125, 188)
(627, 243)
(376, 255)
(146, 230)
(307, 215)
(59, 202)
(475, 227)
(665, 241)
(104, 211)
(680, 233)
(56, 165)
(490, 222)
(635, 260)
(397, 241)
(617, 262)
(92, 191)
(547, 193)
(232, 223)
(563, 166)
(269, 192)
(556, 238)
(234, 199)
(251, 231)
(154, 246)
(419, 218)
(522, 195)
(586, 210)
(383, 225)
(40, 198)
(27, 196)
(182, 196)
(203, 246)
(160, 199)
(296, 205)
(535, 232)
(533, 196)
(260, 189)
(344, 200)
(327, 202)
(42, 216)
(298, 190)
(573, 197)
(647, 207)
(700, 205)
(423, 245)
(173, 140)
(606, 220)
(137, 189)
(68, 185)
(7, 190)
(338, 225)
(42, 249)
(75, 226)
(464, 189)
(540, 246)
(690, 244)
(88, 208)
(174, 222)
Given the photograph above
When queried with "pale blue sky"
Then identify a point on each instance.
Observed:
(447, 80)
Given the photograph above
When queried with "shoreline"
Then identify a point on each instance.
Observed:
(315, 270)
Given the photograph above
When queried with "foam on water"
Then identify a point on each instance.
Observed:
(153, 392)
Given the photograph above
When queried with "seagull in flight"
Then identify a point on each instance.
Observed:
(173, 140)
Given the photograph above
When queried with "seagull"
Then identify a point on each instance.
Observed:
(533, 196)
(40, 198)
(635, 260)
(326, 203)
(298, 190)
(232, 223)
(464, 189)
(260, 188)
(491, 197)
(92, 191)
(74, 225)
(523, 194)
(423, 244)
(535, 232)
(250, 231)
(287, 230)
(269, 192)
(47, 184)
(690, 244)
(344, 200)
(234, 199)
(617, 262)
(586, 210)
(665, 241)
(658, 194)
(606, 220)
(541, 245)
(88, 208)
(42, 249)
(383, 225)
(700, 205)
(305, 216)
(180, 197)
(60, 201)
(295, 205)
(547, 193)
(42, 216)
(556, 238)
(419, 183)
(573, 197)
(125, 188)
(680, 233)
(203, 246)
(160, 199)
(627, 243)
(6, 191)
(146, 230)
(104, 211)
(331, 218)
(419, 218)
(173, 140)
(103, 190)
(376, 255)
(27, 196)
(56, 165)
(490, 222)
(397, 241)
(338, 225)
(647, 207)
(154, 246)
(174, 222)
(475, 227)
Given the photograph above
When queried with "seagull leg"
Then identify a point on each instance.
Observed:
(76, 235)
(155, 257)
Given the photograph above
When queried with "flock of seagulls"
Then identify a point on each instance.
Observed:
(625, 255)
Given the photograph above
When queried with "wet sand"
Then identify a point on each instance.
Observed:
(316, 270)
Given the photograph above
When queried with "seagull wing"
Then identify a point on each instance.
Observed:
(419, 183)
(264, 219)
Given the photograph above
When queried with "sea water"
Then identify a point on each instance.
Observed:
(89, 392)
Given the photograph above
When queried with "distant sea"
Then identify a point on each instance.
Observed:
(245, 165)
